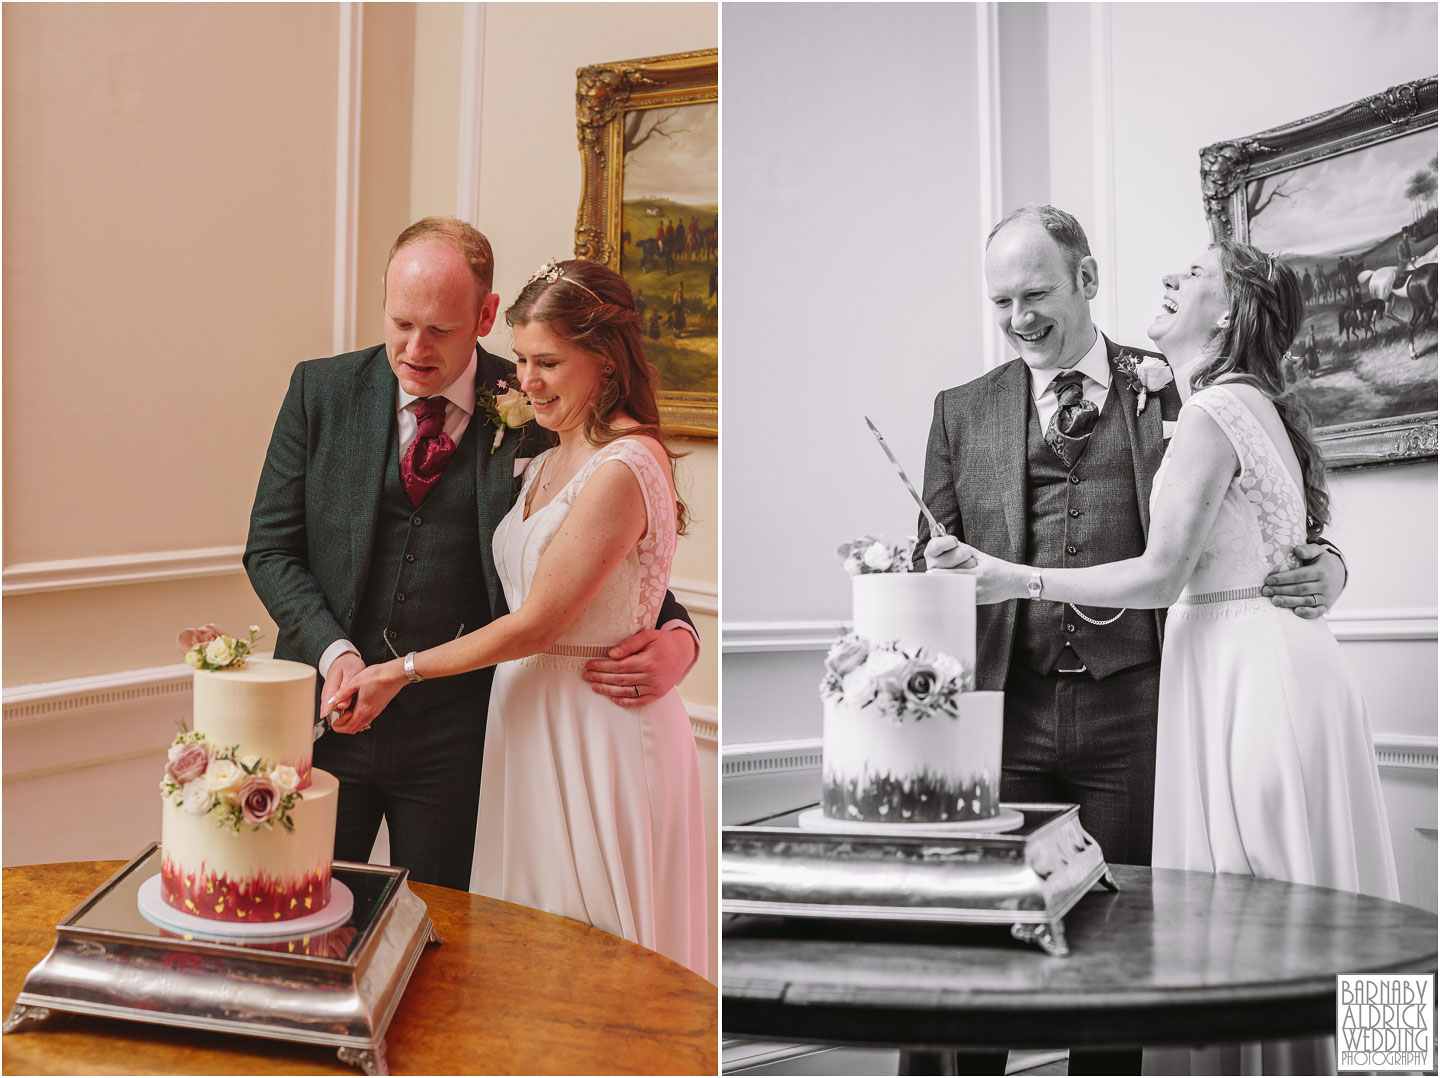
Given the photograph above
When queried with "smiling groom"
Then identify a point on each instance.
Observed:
(1049, 460)
(385, 478)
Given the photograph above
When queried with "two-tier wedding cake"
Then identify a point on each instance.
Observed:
(907, 740)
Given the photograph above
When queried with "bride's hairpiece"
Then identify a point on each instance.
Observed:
(1269, 273)
(552, 272)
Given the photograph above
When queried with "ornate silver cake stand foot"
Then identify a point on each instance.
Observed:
(22, 1016)
(339, 988)
(1107, 881)
(1050, 937)
(369, 1060)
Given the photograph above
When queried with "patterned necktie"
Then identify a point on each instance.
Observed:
(424, 461)
(1073, 421)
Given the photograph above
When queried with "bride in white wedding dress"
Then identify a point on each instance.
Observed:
(1265, 763)
(587, 809)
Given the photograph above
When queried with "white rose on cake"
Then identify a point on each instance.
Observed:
(223, 774)
(197, 797)
(285, 778)
(877, 556)
(220, 650)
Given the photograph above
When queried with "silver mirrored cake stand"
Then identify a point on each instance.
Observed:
(1028, 878)
(109, 960)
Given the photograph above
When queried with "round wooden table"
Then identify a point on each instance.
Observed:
(511, 991)
(1174, 958)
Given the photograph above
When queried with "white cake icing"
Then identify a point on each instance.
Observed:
(212, 868)
(260, 707)
(905, 741)
(933, 610)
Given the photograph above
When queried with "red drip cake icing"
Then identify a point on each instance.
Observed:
(260, 897)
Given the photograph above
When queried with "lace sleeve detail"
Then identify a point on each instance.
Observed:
(1264, 481)
(656, 550)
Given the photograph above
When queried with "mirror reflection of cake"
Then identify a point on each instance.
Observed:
(907, 740)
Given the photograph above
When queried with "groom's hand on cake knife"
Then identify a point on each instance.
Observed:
(1311, 588)
(995, 580)
(338, 696)
(644, 667)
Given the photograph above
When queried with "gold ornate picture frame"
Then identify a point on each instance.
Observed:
(661, 230)
(1346, 198)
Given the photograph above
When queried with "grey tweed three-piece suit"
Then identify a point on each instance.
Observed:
(1086, 737)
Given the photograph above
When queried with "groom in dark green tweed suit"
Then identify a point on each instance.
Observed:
(357, 564)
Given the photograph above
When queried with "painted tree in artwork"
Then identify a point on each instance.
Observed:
(1420, 190)
(1260, 194)
(641, 125)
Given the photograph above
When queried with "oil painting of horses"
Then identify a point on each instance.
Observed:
(1359, 229)
(670, 239)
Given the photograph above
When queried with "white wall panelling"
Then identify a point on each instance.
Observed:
(472, 83)
(347, 174)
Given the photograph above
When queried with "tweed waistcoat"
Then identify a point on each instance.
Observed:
(1084, 515)
(426, 584)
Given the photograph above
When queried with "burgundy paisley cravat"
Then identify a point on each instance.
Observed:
(424, 461)
(1073, 421)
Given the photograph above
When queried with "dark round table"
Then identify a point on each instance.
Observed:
(1173, 958)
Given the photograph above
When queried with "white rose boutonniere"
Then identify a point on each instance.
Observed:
(505, 407)
(1145, 375)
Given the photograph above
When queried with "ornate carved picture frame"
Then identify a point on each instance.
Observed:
(660, 230)
(1347, 199)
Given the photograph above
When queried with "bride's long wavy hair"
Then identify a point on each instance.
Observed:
(1266, 313)
(590, 306)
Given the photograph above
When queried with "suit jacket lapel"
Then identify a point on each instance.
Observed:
(1012, 398)
(372, 408)
(1146, 435)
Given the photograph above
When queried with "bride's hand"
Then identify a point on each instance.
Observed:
(995, 580)
(947, 552)
(373, 689)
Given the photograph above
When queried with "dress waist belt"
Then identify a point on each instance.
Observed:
(567, 656)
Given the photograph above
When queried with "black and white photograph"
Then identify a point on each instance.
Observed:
(1079, 674)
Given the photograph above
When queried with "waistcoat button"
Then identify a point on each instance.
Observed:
(1074, 512)
(1071, 550)
(1073, 478)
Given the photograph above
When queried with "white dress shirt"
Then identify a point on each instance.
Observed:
(1094, 365)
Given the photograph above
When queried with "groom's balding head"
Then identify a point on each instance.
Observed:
(464, 237)
(1041, 278)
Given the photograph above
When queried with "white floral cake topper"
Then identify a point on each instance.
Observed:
(871, 555)
(208, 648)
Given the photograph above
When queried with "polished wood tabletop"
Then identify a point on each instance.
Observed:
(1171, 958)
(511, 990)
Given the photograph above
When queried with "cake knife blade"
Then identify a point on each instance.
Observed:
(936, 528)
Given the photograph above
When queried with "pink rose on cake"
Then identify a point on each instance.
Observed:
(188, 762)
(258, 800)
(193, 638)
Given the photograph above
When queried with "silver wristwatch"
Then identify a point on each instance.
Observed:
(411, 675)
(1033, 587)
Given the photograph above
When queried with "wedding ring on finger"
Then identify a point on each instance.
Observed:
(637, 691)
